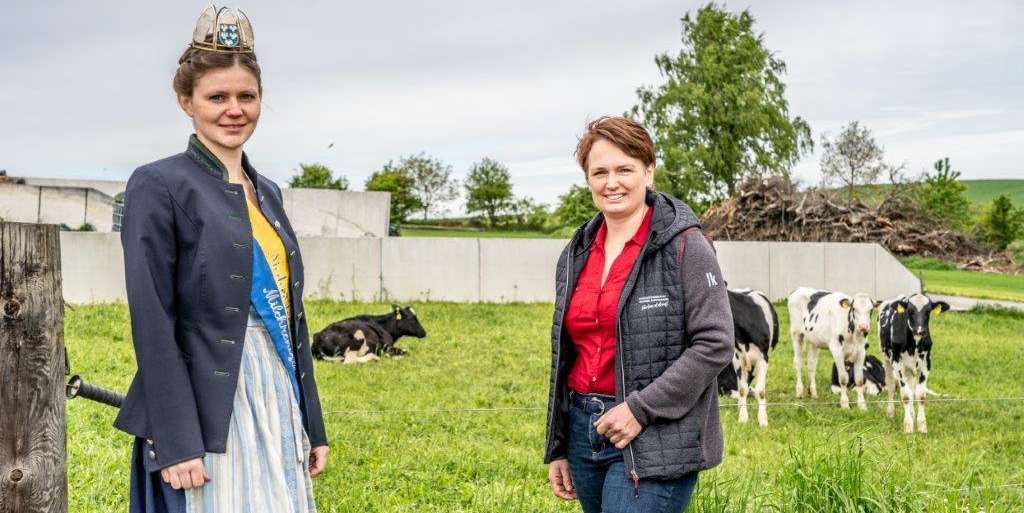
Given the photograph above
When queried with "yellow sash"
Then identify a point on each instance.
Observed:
(273, 250)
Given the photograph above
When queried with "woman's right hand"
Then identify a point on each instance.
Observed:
(561, 480)
(185, 475)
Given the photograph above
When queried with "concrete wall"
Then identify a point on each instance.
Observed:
(329, 213)
(108, 187)
(47, 204)
(501, 270)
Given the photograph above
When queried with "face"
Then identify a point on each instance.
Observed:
(617, 182)
(860, 313)
(224, 106)
(918, 310)
(408, 323)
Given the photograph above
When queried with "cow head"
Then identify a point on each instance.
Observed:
(859, 313)
(408, 324)
(918, 310)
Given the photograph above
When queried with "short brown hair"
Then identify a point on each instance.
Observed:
(628, 135)
(196, 62)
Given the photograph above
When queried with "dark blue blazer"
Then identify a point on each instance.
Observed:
(188, 259)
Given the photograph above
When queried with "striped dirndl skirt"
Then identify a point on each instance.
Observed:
(266, 464)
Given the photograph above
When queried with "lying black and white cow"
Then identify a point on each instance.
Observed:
(757, 332)
(364, 338)
(903, 328)
(874, 376)
(832, 320)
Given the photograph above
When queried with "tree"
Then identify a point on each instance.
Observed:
(317, 176)
(398, 182)
(1002, 223)
(944, 196)
(722, 112)
(575, 207)
(852, 159)
(432, 182)
(489, 189)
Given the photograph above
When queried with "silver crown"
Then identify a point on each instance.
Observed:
(223, 30)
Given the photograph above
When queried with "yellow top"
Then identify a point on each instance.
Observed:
(273, 251)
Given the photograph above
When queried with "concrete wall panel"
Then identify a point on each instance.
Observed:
(343, 269)
(19, 203)
(92, 267)
(330, 213)
(518, 270)
(108, 187)
(99, 211)
(850, 268)
(795, 264)
(441, 269)
(893, 278)
(745, 264)
(62, 205)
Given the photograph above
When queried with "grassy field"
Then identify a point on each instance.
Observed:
(411, 231)
(943, 277)
(984, 191)
(813, 457)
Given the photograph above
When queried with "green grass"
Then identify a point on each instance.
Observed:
(812, 458)
(982, 192)
(942, 277)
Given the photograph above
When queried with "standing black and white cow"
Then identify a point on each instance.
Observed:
(903, 327)
(832, 320)
(757, 332)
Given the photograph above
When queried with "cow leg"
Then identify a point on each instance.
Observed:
(906, 395)
(858, 379)
(844, 377)
(812, 369)
(744, 388)
(921, 391)
(890, 388)
(797, 337)
(761, 375)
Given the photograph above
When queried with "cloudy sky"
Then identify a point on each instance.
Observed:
(85, 86)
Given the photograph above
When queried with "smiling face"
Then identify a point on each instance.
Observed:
(617, 182)
(224, 106)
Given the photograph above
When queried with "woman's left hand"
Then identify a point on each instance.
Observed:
(619, 425)
(317, 460)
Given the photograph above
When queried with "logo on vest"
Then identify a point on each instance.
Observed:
(711, 280)
(651, 302)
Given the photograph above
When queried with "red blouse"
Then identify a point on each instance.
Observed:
(590, 320)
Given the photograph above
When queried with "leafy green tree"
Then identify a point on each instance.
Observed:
(432, 182)
(317, 176)
(397, 181)
(575, 207)
(528, 214)
(1001, 223)
(488, 189)
(722, 112)
(944, 196)
(853, 158)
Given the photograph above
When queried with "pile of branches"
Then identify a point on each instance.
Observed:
(772, 209)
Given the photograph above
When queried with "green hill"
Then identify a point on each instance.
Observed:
(984, 191)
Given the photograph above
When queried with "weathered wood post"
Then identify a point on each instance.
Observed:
(33, 457)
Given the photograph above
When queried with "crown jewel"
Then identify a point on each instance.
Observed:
(223, 30)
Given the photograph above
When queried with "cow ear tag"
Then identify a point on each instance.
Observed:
(398, 315)
(845, 304)
(900, 309)
(938, 309)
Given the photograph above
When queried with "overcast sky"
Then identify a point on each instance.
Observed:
(85, 86)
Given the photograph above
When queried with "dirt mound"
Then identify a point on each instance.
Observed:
(772, 209)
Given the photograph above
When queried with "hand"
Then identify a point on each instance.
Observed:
(185, 475)
(561, 481)
(318, 460)
(619, 425)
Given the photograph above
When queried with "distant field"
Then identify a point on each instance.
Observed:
(984, 191)
(943, 277)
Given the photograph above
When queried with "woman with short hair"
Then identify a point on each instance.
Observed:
(642, 327)
(224, 406)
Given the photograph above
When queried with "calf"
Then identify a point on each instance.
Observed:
(835, 321)
(366, 337)
(757, 332)
(874, 376)
(903, 328)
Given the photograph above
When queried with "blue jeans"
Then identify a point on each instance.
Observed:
(599, 474)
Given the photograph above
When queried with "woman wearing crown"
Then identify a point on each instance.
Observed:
(224, 406)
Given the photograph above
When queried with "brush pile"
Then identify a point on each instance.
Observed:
(772, 209)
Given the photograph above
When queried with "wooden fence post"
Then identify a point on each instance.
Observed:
(33, 437)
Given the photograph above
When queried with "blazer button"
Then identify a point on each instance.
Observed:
(300, 314)
(302, 375)
(152, 455)
(277, 224)
(149, 441)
